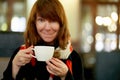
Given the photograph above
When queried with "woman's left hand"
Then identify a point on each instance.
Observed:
(57, 67)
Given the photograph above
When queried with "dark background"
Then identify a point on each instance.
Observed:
(9, 41)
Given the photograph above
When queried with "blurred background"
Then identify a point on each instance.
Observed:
(95, 31)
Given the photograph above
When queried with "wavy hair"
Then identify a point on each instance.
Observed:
(51, 10)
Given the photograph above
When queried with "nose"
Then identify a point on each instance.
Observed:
(48, 25)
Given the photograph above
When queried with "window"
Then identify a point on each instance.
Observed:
(12, 15)
(100, 25)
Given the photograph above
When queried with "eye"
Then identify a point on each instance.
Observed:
(40, 19)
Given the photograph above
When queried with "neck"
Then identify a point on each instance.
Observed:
(55, 44)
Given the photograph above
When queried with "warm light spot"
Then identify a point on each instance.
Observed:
(99, 20)
(18, 24)
(114, 16)
(4, 27)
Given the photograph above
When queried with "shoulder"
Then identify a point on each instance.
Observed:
(77, 65)
(75, 57)
(75, 54)
(17, 49)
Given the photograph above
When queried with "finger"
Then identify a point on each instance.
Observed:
(23, 64)
(23, 53)
(50, 64)
(50, 70)
(53, 67)
(28, 60)
(56, 62)
(28, 50)
(27, 56)
(24, 61)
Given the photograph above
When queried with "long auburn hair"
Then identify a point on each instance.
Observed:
(51, 10)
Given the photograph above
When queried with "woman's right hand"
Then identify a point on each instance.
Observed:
(23, 57)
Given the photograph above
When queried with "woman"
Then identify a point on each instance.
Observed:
(47, 25)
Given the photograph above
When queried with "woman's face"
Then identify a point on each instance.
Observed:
(46, 29)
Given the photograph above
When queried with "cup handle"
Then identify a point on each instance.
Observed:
(33, 56)
(33, 51)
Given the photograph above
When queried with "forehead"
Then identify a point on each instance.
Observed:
(48, 9)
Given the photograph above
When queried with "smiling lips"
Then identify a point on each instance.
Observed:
(48, 35)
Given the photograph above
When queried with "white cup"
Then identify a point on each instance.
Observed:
(43, 53)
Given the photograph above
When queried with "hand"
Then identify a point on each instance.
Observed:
(22, 57)
(57, 67)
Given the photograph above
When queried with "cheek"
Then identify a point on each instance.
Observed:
(38, 27)
(56, 28)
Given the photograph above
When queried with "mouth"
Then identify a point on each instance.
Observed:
(48, 35)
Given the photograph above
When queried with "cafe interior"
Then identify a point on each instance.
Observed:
(95, 33)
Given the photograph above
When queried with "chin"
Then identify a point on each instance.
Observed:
(48, 41)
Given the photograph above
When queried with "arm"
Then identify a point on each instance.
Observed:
(15, 69)
(19, 59)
